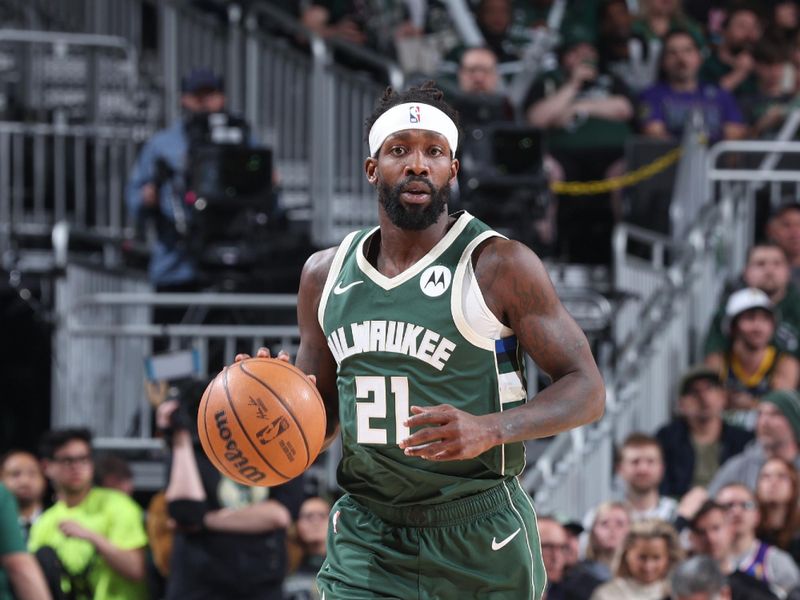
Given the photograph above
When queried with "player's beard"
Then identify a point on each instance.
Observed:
(415, 217)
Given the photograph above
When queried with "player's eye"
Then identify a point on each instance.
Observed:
(397, 150)
(436, 151)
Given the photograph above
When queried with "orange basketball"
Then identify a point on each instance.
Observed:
(261, 421)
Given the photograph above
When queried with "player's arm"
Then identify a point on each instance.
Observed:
(260, 517)
(517, 289)
(314, 357)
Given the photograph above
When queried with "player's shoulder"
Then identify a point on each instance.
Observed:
(499, 254)
(319, 264)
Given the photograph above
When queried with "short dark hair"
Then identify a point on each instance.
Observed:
(764, 244)
(425, 93)
(697, 575)
(740, 8)
(675, 32)
(112, 465)
(641, 440)
(58, 438)
(770, 52)
(13, 452)
(707, 507)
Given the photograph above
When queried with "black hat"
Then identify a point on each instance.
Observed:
(697, 373)
(201, 79)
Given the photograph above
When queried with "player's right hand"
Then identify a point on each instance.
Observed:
(265, 353)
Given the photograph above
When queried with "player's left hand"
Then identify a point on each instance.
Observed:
(448, 434)
(76, 530)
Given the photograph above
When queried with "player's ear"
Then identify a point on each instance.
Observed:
(454, 166)
(371, 169)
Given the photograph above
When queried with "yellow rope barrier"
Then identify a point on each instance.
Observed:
(603, 186)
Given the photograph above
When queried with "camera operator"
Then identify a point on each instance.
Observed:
(158, 178)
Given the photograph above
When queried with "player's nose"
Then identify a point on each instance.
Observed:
(416, 164)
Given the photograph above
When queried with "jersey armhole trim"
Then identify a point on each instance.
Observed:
(333, 275)
(456, 301)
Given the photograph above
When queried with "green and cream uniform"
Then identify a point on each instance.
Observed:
(408, 527)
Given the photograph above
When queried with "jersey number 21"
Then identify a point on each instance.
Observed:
(371, 395)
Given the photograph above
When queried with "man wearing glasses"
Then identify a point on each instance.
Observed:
(758, 559)
(91, 541)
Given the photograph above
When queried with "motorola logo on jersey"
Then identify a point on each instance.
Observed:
(435, 280)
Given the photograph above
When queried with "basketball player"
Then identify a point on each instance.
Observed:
(415, 331)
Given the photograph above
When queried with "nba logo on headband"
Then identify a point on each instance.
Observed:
(413, 114)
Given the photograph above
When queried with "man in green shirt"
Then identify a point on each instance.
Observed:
(17, 567)
(96, 533)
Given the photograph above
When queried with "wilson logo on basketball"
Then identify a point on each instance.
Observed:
(232, 452)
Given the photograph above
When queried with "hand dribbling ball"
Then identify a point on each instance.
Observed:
(261, 422)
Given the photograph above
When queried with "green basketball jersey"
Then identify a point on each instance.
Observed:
(404, 341)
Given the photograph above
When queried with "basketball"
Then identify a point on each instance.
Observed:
(261, 422)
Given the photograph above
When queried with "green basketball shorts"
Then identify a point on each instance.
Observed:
(481, 546)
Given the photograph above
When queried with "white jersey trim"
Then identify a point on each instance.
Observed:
(458, 302)
(333, 275)
(389, 283)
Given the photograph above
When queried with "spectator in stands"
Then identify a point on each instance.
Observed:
(230, 539)
(330, 21)
(307, 540)
(697, 441)
(606, 535)
(585, 114)
(731, 66)
(494, 19)
(699, 578)
(20, 575)
(752, 556)
(22, 474)
(573, 554)
(150, 189)
(650, 551)
(752, 365)
(712, 535)
(641, 467)
(767, 269)
(783, 228)
(777, 493)
(96, 535)
(477, 72)
(481, 98)
(114, 472)
(777, 434)
(767, 108)
(622, 52)
(658, 17)
(666, 107)
(784, 21)
(360, 23)
(553, 539)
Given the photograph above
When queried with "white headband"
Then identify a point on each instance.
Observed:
(412, 116)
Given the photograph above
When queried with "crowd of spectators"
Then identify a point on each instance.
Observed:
(591, 75)
(72, 528)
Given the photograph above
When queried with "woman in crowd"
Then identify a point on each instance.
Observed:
(608, 530)
(648, 554)
(306, 545)
(777, 491)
